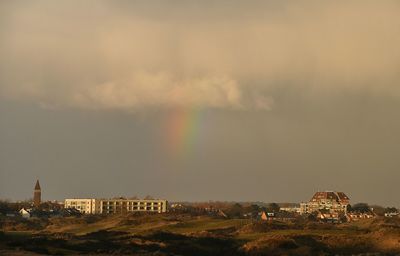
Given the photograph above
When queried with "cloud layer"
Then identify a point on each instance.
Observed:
(161, 89)
(226, 54)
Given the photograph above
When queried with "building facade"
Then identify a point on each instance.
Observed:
(110, 206)
(37, 195)
(334, 202)
(120, 205)
(84, 205)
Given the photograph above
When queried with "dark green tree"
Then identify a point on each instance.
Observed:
(235, 211)
(360, 207)
(273, 207)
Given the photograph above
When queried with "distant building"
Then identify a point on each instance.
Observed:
(132, 205)
(333, 202)
(391, 214)
(25, 213)
(354, 216)
(86, 206)
(279, 216)
(290, 209)
(331, 217)
(264, 216)
(119, 205)
(37, 195)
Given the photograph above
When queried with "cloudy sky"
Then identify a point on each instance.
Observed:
(200, 100)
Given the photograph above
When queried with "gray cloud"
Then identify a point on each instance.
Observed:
(128, 55)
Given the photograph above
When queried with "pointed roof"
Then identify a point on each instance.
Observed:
(324, 195)
(343, 196)
(37, 186)
(337, 196)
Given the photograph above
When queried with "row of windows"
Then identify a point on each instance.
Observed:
(114, 202)
(134, 203)
(75, 203)
(148, 208)
(79, 205)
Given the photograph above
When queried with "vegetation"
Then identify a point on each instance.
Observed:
(187, 234)
(13, 207)
(360, 207)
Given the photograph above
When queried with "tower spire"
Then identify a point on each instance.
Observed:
(37, 195)
(37, 186)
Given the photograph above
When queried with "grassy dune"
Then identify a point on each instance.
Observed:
(169, 234)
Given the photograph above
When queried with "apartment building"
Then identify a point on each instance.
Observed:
(328, 200)
(119, 205)
(84, 205)
(110, 206)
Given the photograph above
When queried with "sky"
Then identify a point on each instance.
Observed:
(200, 100)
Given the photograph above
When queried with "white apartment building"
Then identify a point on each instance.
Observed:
(120, 205)
(133, 205)
(84, 205)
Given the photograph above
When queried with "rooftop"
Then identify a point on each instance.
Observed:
(37, 186)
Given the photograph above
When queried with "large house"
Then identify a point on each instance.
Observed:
(334, 202)
(119, 205)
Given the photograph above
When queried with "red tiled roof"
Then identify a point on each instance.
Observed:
(337, 196)
(342, 196)
(324, 195)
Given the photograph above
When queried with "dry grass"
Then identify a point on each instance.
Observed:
(200, 235)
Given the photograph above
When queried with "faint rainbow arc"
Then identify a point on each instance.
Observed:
(183, 131)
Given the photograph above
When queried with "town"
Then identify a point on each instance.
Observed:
(324, 206)
(326, 224)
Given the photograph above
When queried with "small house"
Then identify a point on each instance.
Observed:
(25, 213)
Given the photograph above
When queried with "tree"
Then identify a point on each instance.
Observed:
(273, 207)
(360, 207)
(253, 210)
(391, 209)
(378, 210)
(5, 207)
(48, 206)
(236, 211)
(312, 216)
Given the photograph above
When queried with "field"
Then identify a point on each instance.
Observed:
(181, 234)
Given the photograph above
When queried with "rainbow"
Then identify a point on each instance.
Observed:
(183, 127)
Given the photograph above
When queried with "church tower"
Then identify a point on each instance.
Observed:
(37, 194)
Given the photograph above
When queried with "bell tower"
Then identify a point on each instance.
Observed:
(37, 195)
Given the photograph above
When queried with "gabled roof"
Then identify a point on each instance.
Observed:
(37, 186)
(23, 210)
(342, 196)
(324, 195)
(331, 195)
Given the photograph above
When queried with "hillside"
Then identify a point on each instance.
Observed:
(170, 234)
